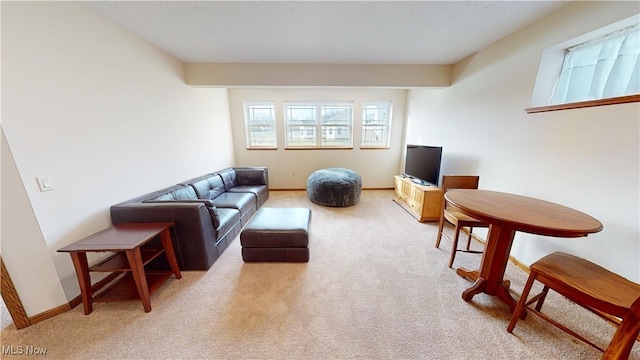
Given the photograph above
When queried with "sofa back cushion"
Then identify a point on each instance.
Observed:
(183, 193)
(209, 188)
(228, 178)
(251, 176)
(187, 194)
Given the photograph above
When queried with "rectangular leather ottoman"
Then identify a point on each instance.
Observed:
(277, 235)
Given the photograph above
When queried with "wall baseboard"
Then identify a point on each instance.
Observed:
(72, 304)
(49, 313)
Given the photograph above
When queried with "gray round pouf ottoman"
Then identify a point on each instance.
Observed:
(335, 187)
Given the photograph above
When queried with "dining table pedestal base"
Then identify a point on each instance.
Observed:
(480, 286)
(489, 279)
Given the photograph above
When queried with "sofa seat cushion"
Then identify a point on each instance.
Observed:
(261, 192)
(245, 202)
(228, 219)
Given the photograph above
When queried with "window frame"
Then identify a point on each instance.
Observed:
(387, 125)
(550, 66)
(248, 137)
(318, 125)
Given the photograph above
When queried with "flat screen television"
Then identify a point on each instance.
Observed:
(422, 164)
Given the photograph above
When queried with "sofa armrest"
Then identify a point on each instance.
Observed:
(193, 230)
(192, 214)
(252, 176)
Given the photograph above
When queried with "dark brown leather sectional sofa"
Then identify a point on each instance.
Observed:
(208, 211)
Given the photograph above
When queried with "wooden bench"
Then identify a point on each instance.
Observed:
(590, 286)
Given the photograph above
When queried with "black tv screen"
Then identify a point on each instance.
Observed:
(423, 163)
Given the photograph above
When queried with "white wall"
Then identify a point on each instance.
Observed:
(37, 283)
(289, 169)
(108, 116)
(587, 159)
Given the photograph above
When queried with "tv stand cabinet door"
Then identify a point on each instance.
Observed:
(402, 190)
(431, 198)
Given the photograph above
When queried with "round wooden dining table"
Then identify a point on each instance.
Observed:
(507, 213)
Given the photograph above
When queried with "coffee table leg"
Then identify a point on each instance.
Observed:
(137, 270)
(165, 237)
(82, 272)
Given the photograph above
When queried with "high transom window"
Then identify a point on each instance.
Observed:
(602, 68)
(318, 125)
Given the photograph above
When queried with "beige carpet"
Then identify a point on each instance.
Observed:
(375, 288)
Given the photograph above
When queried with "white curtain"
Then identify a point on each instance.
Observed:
(601, 68)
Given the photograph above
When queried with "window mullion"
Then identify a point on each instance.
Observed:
(319, 126)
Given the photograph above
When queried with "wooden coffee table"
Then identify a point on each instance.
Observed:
(506, 214)
(128, 260)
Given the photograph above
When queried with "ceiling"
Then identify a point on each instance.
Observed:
(329, 32)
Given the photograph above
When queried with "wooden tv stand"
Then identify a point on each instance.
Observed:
(421, 201)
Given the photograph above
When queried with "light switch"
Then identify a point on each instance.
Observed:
(45, 183)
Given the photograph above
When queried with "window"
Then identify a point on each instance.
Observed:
(590, 70)
(260, 120)
(318, 125)
(376, 125)
(602, 68)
